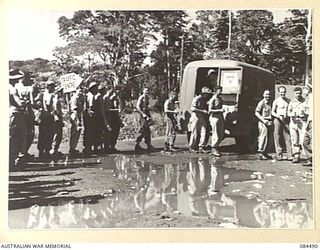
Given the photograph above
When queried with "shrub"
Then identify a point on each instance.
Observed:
(131, 125)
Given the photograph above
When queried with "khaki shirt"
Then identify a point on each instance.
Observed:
(264, 109)
(57, 108)
(14, 106)
(216, 103)
(297, 110)
(77, 103)
(199, 102)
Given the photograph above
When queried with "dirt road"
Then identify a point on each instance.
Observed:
(157, 189)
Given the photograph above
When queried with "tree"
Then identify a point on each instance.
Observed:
(36, 65)
(116, 38)
(253, 31)
(294, 31)
(170, 25)
(213, 32)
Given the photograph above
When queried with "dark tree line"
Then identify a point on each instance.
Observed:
(112, 46)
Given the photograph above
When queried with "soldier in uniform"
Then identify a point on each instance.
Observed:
(112, 109)
(76, 109)
(171, 122)
(58, 122)
(263, 113)
(216, 120)
(25, 92)
(16, 119)
(198, 124)
(30, 116)
(46, 124)
(94, 119)
(144, 120)
(307, 139)
(298, 118)
(281, 124)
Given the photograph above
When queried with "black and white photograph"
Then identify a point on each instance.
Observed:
(157, 119)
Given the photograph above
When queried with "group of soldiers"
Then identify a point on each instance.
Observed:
(96, 111)
(290, 122)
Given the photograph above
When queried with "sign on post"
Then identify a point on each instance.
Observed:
(69, 82)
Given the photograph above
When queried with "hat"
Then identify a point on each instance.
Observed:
(210, 71)
(206, 90)
(93, 84)
(49, 83)
(15, 74)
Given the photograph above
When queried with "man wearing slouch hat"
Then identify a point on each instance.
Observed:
(17, 129)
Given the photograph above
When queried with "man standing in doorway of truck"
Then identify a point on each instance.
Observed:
(263, 113)
(216, 120)
(281, 124)
(198, 124)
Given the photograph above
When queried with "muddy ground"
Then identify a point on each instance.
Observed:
(157, 189)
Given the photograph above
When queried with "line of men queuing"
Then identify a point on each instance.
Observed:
(98, 111)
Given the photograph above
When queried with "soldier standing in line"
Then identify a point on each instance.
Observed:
(94, 119)
(107, 107)
(298, 118)
(171, 122)
(58, 122)
(16, 119)
(46, 124)
(198, 124)
(216, 120)
(103, 130)
(263, 113)
(76, 108)
(30, 116)
(307, 139)
(144, 120)
(281, 124)
(25, 91)
(112, 109)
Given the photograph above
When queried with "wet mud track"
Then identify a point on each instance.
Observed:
(160, 190)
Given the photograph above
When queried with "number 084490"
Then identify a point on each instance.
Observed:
(314, 246)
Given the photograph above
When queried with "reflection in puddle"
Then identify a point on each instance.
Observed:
(185, 189)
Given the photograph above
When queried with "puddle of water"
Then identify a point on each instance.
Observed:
(190, 189)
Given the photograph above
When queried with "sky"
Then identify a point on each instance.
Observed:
(32, 34)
